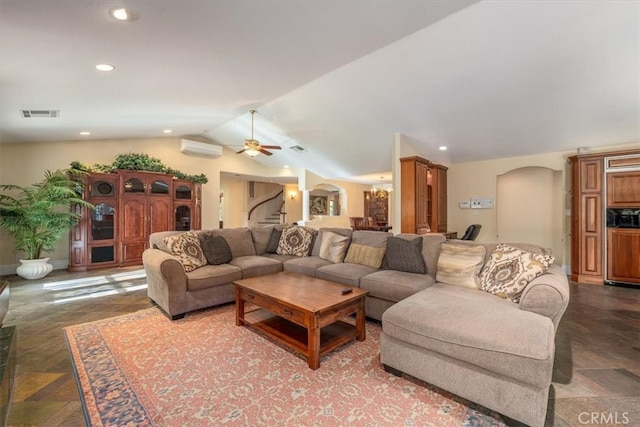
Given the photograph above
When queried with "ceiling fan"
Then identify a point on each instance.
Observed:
(253, 147)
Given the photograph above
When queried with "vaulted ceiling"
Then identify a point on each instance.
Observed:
(487, 79)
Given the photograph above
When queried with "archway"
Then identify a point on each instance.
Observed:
(529, 204)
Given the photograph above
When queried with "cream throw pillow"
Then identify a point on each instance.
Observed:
(186, 247)
(365, 255)
(333, 247)
(510, 269)
(460, 265)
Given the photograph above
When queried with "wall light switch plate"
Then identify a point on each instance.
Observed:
(481, 203)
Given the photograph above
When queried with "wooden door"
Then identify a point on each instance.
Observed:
(422, 198)
(623, 253)
(133, 237)
(623, 189)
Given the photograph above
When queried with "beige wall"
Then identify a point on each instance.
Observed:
(479, 179)
(24, 164)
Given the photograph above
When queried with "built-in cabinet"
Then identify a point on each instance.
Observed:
(130, 205)
(424, 196)
(601, 181)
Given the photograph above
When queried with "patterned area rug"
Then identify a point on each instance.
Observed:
(142, 369)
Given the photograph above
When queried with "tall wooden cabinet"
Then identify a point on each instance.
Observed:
(424, 196)
(130, 205)
(586, 219)
(599, 182)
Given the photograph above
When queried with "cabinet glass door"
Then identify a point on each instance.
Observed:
(159, 187)
(133, 185)
(183, 218)
(102, 223)
(183, 192)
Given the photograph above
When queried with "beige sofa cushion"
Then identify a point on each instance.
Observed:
(239, 239)
(478, 328)
(460, 265)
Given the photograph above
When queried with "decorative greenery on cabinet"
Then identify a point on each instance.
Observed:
(139, 162)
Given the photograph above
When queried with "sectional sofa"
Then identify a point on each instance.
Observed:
(437, 326)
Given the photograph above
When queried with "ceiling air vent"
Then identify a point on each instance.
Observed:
(298, 148)
(38, 114)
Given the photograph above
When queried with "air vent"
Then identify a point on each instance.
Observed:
(298, 148)
(39, 114)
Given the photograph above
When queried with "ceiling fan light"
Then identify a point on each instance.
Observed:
(252, 152)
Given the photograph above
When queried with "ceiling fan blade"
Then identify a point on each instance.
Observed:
(271, 147)
(241, 151)
(265, 152)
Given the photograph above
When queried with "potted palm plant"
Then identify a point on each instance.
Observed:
(37, 216)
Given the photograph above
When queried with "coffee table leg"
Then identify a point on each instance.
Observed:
(313, 340)
(239, 309)
(360, 322)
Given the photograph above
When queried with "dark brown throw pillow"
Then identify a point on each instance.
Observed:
(274, 241)
(215, 249)
(405, 255)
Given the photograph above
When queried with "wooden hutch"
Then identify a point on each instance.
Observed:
(129, 206)
(601, 251)
(424, 196)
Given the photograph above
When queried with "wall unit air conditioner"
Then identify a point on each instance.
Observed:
(188, 146)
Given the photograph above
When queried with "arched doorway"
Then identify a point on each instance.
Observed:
(529, 208)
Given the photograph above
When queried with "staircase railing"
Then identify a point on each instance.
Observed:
(267, 200)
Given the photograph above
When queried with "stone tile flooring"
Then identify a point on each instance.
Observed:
(596, 376)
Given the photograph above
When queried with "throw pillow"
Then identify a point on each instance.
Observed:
(215, 249)
(186, 247)
(274, 241)
(365, 255)
(295, 241)
(460, 264)
(510, 269)
(333, 247)
(405, 255)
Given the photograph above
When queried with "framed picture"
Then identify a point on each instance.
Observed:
(318, 205)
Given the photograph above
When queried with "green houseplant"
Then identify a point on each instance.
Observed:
(37, 216)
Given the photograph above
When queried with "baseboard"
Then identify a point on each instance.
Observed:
(10, 269)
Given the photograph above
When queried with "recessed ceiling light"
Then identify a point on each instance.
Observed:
(84, 133)
(442, 148)
(286, 166)
(105, 67)
(122, 14)
(167, 131)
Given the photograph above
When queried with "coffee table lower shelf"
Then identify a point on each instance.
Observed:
(295, 336)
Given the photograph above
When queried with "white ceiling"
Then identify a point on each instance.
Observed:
(487, 79)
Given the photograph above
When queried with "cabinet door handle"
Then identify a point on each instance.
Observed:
(287, 312)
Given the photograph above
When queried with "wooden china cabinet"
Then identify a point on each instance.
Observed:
(130, 205)
(424, 196)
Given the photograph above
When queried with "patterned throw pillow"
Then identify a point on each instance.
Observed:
(274, 242)
(215, 249)
(333, 247)
(365, 255)
(405, 255)
(186, 247)
(296, 241)
(460, 264)
(510, 269)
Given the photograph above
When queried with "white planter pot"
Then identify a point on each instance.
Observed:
(34, 268)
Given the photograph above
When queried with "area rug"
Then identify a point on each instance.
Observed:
(142, 369)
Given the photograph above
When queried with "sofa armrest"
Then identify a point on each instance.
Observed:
(547, 295)
(166, 281)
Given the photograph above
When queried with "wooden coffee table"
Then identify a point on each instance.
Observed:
(301, 312)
